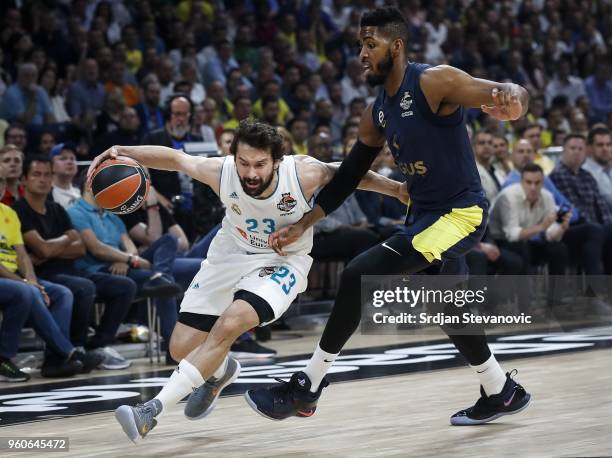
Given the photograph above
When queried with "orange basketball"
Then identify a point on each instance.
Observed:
(120, 185)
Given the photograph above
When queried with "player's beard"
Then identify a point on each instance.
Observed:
(383, 68)
(254, 192)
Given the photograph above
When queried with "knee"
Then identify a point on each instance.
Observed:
(351, 275)
(64, 297)
(169, 240)
(228, 328)
(178, 349)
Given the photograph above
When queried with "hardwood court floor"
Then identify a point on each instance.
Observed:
(571, 415)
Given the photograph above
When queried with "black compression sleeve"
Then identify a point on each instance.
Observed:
(348, 176)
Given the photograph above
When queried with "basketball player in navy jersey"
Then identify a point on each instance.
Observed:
(420, 114)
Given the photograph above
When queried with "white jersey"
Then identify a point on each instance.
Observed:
(250, 221)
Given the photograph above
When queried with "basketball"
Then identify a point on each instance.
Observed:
(120, 185)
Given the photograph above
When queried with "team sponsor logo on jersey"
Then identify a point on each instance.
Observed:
(406, 101)
(233, 195)
(287, 202)
(236, 209)
(381, 119)
(412, 168)
(268, 270)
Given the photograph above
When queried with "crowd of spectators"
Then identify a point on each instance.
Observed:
(78, 76)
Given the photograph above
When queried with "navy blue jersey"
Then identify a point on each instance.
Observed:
(433, 152)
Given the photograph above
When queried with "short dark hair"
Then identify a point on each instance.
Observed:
(258, 135)
(597, 131)
(521, 131)
(478, 133)
(268, 99)
(532, 168)
(294, 120)
(390, 20)
(27, 164)
(571, 136)
(11, 127)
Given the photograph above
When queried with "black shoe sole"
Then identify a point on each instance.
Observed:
(253, 406)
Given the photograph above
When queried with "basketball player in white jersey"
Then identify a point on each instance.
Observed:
(243, 283)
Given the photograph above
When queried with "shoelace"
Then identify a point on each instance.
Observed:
(9, 367)
(282, 390)
(147, 412)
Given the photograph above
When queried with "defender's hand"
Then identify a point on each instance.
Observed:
(285, 236)
(506, 106)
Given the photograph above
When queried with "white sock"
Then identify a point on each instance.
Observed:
(184, 378)
(491, 376)
(317, 367)
(220, 372)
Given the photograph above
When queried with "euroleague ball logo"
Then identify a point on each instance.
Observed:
(125, 209)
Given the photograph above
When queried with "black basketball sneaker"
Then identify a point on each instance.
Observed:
(286, 399)
(512, 399)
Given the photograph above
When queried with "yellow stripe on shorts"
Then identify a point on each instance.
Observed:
(447, 231)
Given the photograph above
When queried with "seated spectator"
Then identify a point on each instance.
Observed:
(54, 244)
(524, 220)
(202, 124)
(599, 89)
(55, 90)
(482, 143)
(189, 72)
(273, 88)
(46, 142)
(563, 83)
(583, 239)
(149, 111)
(502, 165)
(118, 81)
(11, 159)
(172, 187)
(287, 141)
(25, 101)
(85, 97)
(242, 109)
(128, 133)
(581, 189)
(225, 108)
(533, 133)
(270, 110)
(50, 304)
(108, 120)
(353, 84)
(16, 135)
(110, 250)
(599, 160)
(298, 128)
(64, 165)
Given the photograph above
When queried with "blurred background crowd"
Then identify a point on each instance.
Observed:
(78, 76)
